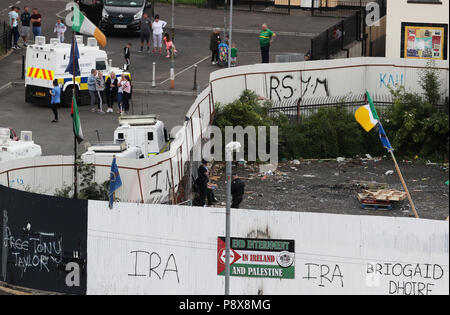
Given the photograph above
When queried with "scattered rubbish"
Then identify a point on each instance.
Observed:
(265, 168)
(424, 179)
(296, 162)
(446, 183)
(369, 185)
(242, 162)
(340, 159)
(336, 174)
(390, 172)
(309, 176)
(369, 156)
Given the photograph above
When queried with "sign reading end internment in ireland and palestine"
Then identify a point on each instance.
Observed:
(258, 258)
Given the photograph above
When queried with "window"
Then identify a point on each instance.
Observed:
(150, 136)
(100, 65)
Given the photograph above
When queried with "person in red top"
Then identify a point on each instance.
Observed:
(36, 19)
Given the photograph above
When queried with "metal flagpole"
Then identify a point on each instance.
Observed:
(404, 185)
(75, 153)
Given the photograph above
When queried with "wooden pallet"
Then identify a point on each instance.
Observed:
(376, 207)
(383, 195)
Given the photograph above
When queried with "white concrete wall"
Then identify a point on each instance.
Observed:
(184, 239)
(399, 11)
(303, 79)
(152, 180)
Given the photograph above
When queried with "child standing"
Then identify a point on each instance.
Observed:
(60, 29)
(170, 46)
(127, 55)
(233, 55)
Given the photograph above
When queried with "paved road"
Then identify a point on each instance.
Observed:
(192, 40)
(57, 138)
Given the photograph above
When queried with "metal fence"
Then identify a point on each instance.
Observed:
(296, 109)
(265, 6)
(334, 39)
(343, 8)
(5, 38)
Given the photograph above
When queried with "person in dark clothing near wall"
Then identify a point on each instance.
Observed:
(214, 45)
(237, 191)
(203, 188)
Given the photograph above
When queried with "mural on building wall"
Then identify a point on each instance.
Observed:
(424, 41)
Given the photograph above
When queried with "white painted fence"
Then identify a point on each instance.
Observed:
(158, 178)
(157, 249)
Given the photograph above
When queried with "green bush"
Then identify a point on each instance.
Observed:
(329, 133)
(416, 127)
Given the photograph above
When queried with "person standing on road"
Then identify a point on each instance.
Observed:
(158, 30)
(214, 45)
(25, 18)
(14, 24)
(126, 86)
(60, 29)
(146, 27)
(120, 93)
(56, 99)
(36, 20)
(265, 39)
(127, 56)
(100, 85)
(111, 91)
(92, 88)
(237, 191)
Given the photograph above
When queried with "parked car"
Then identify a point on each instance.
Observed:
(123, 15)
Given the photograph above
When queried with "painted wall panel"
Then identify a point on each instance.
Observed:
(155, 249)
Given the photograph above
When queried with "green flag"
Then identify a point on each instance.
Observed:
(78, 132)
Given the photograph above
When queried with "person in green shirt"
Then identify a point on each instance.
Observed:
(265, 39)
(233, 57)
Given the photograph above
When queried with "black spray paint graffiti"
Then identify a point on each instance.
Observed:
(156, 190)
(407, 279)
(322, 275)
(148, 264)
(309, 84)
(285, 88)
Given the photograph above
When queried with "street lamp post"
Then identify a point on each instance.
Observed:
(231, 34)
(229, 149)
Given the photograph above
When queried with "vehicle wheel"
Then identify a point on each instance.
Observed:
(28, 95)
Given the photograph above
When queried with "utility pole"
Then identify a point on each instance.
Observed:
(172, 61)
(229, 149)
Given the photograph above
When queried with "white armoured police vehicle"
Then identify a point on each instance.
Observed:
(137, 137)
(46, 62)
(12, 147)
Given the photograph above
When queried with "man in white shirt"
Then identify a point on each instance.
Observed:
(158, 30)
(14, 24)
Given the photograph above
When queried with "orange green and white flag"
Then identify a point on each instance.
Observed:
(82, 25)
(367, 116)
(77, 131)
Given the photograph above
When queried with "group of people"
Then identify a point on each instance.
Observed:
(147, 28)
(205, 190)
(112, 89)
(219, 49)
(31, 23)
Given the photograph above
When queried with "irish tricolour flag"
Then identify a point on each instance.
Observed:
(82, 25)
(367, 115)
